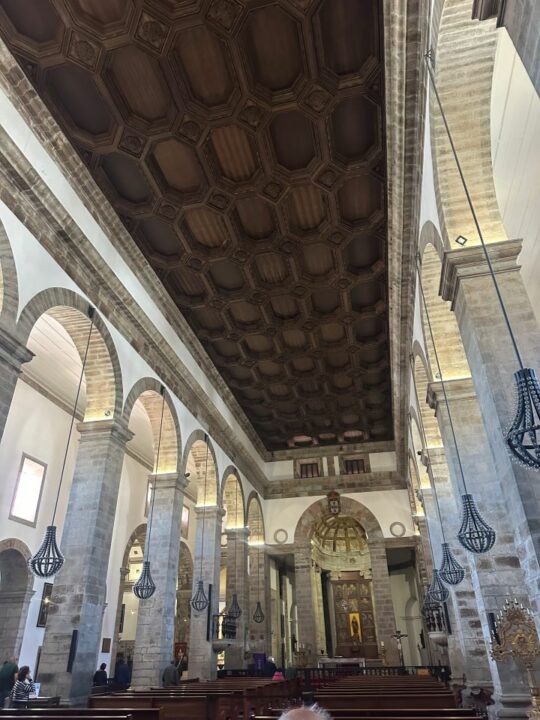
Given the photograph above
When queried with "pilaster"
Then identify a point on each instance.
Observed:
(305, 603)
(466, 282)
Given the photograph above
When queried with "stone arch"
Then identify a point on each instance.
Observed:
(103, 373)
(139, 534)
(9, 286)
(429, 235)
(148, 392)
(463, 42)
(194, 462)
(255, 519)
(232, 498)
(16, 590)
(446, 334)
(311, 515)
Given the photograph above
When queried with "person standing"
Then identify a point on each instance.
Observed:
(23, 688)
(170, 675)
(122, 676)
(100, 676)
(8, 676)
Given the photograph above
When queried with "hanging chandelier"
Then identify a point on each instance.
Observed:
(438, 591)
(475, 534)
(258, 615)
(450, 572)
(144, 588)
(234, 610)
(200, 601)
(48, 560)
(523, 436)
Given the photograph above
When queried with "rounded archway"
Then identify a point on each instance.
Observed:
(16, 585)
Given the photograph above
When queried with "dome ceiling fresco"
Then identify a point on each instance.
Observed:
(243, 146)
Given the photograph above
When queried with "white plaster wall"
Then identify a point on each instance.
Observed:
(515, 143)
(39, 428)
(388, 506)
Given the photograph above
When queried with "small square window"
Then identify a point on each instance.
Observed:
(309, 470)
(354, 466)
(25, 504)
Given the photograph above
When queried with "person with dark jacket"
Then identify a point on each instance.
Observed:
(100, 676)
(122, 677)
(171, 675)
(8, 676)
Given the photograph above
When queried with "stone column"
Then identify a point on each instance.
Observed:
(305, 602)
(319, 611)
(383, 607)
(154, 639)
(466, 283)
(124, 573)
(202, 658)
(237, 582)
(260, 634)
(13, 355)
(79, 592)
(496, 575)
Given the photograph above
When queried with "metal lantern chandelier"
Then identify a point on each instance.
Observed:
(523, 436)
(144, 588)
(48, 560)
(474, 534)
(438, 590)
(450, 572)
(200, 601)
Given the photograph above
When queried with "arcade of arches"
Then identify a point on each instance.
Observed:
(297, 353)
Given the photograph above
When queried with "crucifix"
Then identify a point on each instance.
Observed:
(398, 637)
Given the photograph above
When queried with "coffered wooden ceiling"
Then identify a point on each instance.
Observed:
(242, 143)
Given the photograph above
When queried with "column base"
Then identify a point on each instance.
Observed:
(510, 705)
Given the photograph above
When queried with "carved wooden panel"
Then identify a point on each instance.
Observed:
(243, 145)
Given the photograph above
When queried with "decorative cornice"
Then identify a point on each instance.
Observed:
(471, 262)
(458, 389)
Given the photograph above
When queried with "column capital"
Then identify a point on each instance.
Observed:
(240, 532)
(209, 511)
(458, 389)
(471, 262)
(116, 427)
(168, 481)
(13, 352)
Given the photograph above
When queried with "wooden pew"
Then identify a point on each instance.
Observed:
(91, 713)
